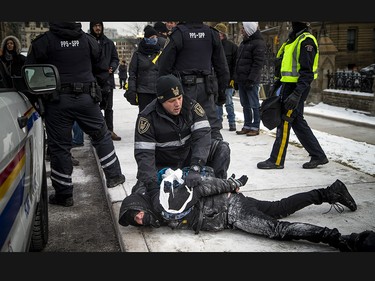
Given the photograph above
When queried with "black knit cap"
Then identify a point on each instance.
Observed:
(299, 25)
(149, 31)
(160, 27)
(128, 218)
(167, 87)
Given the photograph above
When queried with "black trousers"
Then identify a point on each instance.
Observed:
(300, 127)
(122, 82)
(198, 93)
(219, 158)
(262, 217)
(59, 118)
(107, 105)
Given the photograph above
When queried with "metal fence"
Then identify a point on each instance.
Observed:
(341, 79)
(268, 71)
(350, 81)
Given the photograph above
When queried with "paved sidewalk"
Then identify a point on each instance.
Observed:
(246, 152)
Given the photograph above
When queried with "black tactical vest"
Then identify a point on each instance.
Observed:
(195, 56)
(71, 57)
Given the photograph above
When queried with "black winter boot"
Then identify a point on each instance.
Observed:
(358, 242)
(330, 237)
(305, 231)
(65, 200)
(338, 193)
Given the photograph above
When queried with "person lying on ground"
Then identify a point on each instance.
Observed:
(216, 204)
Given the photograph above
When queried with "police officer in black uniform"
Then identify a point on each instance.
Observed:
(194, 53)
(172, 131)
(75, 54)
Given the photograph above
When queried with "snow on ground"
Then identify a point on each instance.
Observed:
(358, 155)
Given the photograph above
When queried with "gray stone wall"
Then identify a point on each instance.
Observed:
(363, 102)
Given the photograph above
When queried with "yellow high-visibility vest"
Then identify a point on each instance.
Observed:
(290, 61)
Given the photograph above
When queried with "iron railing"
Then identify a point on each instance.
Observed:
(341, 79)
(350, 81)
(268, 71)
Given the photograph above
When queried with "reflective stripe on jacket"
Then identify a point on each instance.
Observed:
(290, 63)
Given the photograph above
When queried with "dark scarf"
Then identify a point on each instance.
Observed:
(8, 56)
(148, 49)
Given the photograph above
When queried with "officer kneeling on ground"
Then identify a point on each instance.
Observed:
(173, 131)
(216, 204)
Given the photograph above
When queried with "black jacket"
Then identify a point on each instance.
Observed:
(165, 141)
(213, 54)
(123, 71)
(76, 63)
(13, 60)
(208, 209)
(144, 69)
(250, 59)
(209, 206)
(108, 58)
(230, 50)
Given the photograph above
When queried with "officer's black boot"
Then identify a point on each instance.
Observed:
(358, 242)
(338, 193)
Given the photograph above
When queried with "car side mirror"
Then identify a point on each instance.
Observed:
(41, 78)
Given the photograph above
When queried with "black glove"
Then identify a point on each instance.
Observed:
(139, 187)
(150, 220)
(243, 179)
(152, 185)
(131, 97)
(237, 183)
(221, 99)
(193, 179)
(292, 101)
(249, 84)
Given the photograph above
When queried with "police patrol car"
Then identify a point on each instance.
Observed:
(23, 181)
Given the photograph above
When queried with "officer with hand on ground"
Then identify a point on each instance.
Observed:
(173, 131)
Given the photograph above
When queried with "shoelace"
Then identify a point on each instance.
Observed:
(337, 207)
